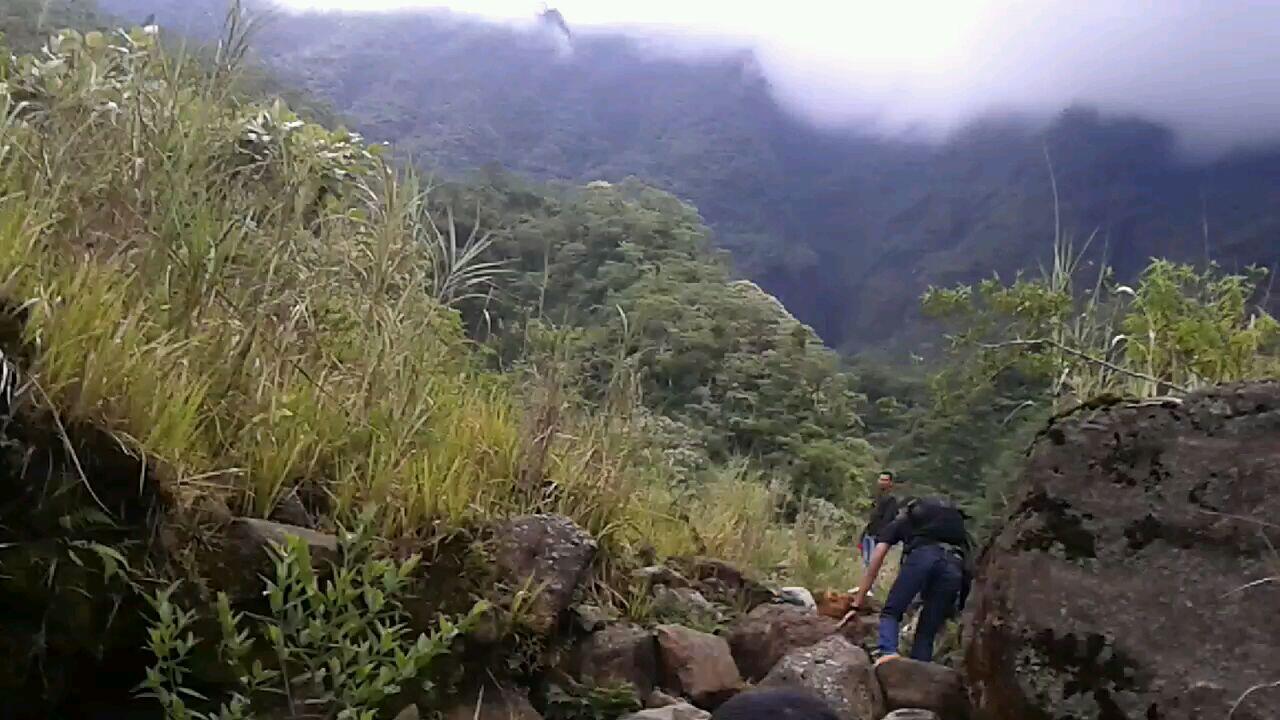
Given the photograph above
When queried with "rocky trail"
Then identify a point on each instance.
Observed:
(1135, 577)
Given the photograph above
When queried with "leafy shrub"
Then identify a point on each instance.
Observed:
(337, 647)
(591, 702)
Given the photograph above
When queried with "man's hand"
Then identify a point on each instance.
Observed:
(855, 605)
(868, 579)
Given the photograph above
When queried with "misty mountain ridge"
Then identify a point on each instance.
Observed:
(847, 228)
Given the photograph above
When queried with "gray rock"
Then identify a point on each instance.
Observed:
(927, 686)
(290, 510)
(659, 699)
(546, 553)
(617, 654)
(799, 597)
(685, 604)
(242, 558)
(1113, 586)
(590, 618)
(761, 638)
(661, 575)
(912, 714)
(676, 711)
(410, 712)
(724, 582)
(837, 671)
(697, 665)
(492, 701)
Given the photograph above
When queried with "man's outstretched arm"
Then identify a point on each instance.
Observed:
(873, 570)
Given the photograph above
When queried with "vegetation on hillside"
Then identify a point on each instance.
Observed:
(268, 313)
(846, 230)
(253, 303)
(1025, 350)
(265, 312)
(623, 280)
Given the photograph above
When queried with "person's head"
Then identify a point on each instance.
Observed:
(885, 481)
(775, 704)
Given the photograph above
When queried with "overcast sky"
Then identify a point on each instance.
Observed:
(1211, 68)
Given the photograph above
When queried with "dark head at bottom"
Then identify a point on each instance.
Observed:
(776, 704)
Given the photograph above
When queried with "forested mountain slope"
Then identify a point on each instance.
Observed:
(222, 326)
(847, 230)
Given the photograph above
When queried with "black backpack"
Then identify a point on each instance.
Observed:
(938, 521)
(934, 520)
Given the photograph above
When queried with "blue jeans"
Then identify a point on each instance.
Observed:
(936, 576)
(868, 545)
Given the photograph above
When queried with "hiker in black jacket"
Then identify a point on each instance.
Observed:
(882, 513)
(935, 566)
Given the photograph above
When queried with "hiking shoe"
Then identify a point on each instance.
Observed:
(886, 658)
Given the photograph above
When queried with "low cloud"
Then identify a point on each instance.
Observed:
(1208, 68)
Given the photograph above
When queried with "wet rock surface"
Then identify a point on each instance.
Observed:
(1124, 583)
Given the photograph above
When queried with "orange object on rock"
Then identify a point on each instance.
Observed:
(834, 604)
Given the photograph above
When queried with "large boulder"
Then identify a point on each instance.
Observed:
(697, 665)
(926, 686)
(242, 557)
(1124, 582)
(837, 671)
(547, 554)
(762, 637)
(618, 654)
